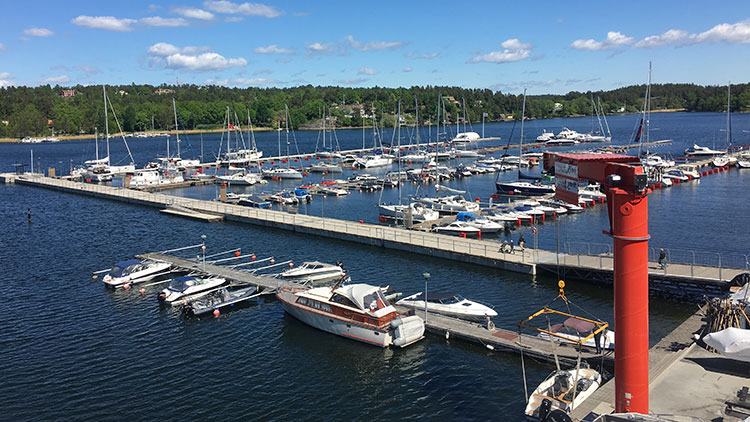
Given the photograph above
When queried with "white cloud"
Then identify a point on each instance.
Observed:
(262, 72)
(248, 9)
(407, 69)
(614, 40)
(428, 56)
(38, 32)
(234, 19)
(671, 37)
(62, 79)
(738, 33)
(513, 51)
(86, 69)
(2, 46)
(109, 23)
(163, 22)
(194, 13)
(317, 48)
(355, 81)
(374, 45)
(243, 81)
(5, 75)
(6, 80)
(272, 49)
(367, 71)
(191, 58)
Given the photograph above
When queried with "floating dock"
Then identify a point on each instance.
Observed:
(689, 282)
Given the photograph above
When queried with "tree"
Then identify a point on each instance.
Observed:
(27, 122)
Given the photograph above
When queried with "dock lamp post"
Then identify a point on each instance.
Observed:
(203, 248)
(426, 276)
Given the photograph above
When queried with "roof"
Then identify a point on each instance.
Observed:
(357, 292)
(616, 158)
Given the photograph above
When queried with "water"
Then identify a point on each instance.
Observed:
(73, 350)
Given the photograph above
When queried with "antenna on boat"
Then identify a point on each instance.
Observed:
(341, 280)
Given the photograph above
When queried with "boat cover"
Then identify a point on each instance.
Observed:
(579, 325)
(731, 342)
(120, 266)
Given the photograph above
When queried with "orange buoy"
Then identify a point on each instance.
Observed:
(462, 234)
(236, 253)
(126, 286)
(142, 291)
(217, 313)
(361, 222)
(272, 261)
(252, 257)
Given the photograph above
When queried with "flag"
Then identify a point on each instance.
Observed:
(640, 132)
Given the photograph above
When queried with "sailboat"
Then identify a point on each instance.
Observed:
(419, 156)
(413, 212)
(280, 172)
(326, 152)
(239, 176)
(102, 170)
(521, 186)
(239, 156)
(595, 135)
(374, 160)
(177, 162)
(726, 159)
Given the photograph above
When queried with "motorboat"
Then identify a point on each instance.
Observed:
(314, 271)
(571, 208)
(467, 153)
(240, 156)
(326, 168)
(450, 204)
(284, 198)
(356, 311)
(369, 161)
(253, 201)
(134, 271)
(566, 133)
(482, 223)
(533, 212)
(418, 212)
(564, 390)
(655, 160)
(218, 300)
(574, 330)
(562, 142)
(700, 152)
(449, 304)
(241, 178)
(281, 173)
(520, 187)
(592, 191)
(465, 138)
(690, 170)
(548, 210)
(545, 136)
(332, 191)
(187, 288)
(506, 217)
(675, 174)
(155, 177)
(458, 228)
(302, 195)
(724, 160)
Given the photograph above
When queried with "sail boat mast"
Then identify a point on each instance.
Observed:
(520, 143)
(729, 122)
(106, 120)
(176, 130)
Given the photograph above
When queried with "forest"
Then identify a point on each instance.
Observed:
(43, 110)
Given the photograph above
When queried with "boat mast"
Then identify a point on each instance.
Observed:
(96, 142)
(416, 122)
(324, 128)
(106, 120)
(606, 124)
(729, 122)
(398, 176)
(228, 136)
(520, 143)
(286, 123)
(176, 130)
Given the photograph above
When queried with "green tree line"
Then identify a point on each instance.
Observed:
(42, 110)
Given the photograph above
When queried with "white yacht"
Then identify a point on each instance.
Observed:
(545, 136)
(450, 204)
(419, 212)
(564, 390)
(465, 138)
(370, 161)
(281, 173)
(241, 178)
(314, 272)
(566, 133)
(155, 177)
(592, 191)
(133, 272)
(700, 152)
(450, 304)
(655, 160)
(459, 229)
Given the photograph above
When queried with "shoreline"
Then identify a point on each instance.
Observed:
(270, 129)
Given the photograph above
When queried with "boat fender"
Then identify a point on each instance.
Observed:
(216, 313)
(396, 322)
(142, 291)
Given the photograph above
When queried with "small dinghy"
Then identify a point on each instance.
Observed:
(218, 300)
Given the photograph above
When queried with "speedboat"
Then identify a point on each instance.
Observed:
(573, 330)
(521, 187)
(592, 191)
(302, 195)
(655, 160)
(458, 228)
(314, 271)
(187, 288)
(450, 204)
(675, 174)
(450, 304)
(281, 173)
(217, 300)
(253, 201)
(133, 272)
(419, 212)
(369, 161)
(564, 390)
(356, 311)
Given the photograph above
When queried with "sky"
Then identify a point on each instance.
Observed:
(547, 47)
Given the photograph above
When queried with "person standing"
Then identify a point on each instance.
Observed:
(512, 248)
(521, 242)
(662, 259)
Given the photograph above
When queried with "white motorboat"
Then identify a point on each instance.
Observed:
(242, 156)
(675, 174)
(418, 212)
(507, 217)
(465, 138)
(573, 330)
(186, 288)
(521, 187)
(484, 224)
(416, 157)
(655, 160)
(155, 177)
(332, 191)
(700, 152)
(133, 272)
(450, 304)
(690, 170)
(571, 208)
(568, 134)
(314, 272)
(724, 160)
(284, 198)
(281, 173)
(370, 161)
(564, 390)
(356, 311)
(545, 136)
(241, 178)
(458, 228)
(561, 142)
(326, 168)
(592, 191)
(743, 163)
(450, 204)
(466, 153)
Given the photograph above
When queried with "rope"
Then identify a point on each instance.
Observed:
(523, 371)
(552, 342)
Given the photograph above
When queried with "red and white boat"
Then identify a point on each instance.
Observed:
(356, 311)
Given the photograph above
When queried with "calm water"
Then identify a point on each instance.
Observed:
(73, 350)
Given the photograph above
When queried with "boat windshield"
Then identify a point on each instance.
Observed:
(122, 269)
(375, 301)
(179, 284)
(451, 300)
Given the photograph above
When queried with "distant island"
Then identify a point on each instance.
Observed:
(76, 111)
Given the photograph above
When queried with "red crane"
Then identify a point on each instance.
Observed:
(625, 184)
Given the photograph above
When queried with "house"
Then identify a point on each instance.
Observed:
(122, 92)
(162, 91)
(68, 93)
(558, 107)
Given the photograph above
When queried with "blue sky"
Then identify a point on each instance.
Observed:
(547, 47)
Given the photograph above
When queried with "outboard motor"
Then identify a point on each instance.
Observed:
(558, 415)
(544, 409)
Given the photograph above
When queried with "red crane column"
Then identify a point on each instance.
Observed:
(628, 214)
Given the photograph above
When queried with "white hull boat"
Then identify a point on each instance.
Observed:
(449, 304)
(458, 229)
(563, 390)
(282, 173)
(133, 272)
(313, 272)
(186, 288)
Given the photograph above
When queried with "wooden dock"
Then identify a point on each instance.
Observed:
(680, 278)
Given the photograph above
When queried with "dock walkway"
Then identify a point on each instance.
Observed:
(475, 251)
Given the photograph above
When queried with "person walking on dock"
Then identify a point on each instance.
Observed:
(512, 248)
(662, 259)
(521, 242)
